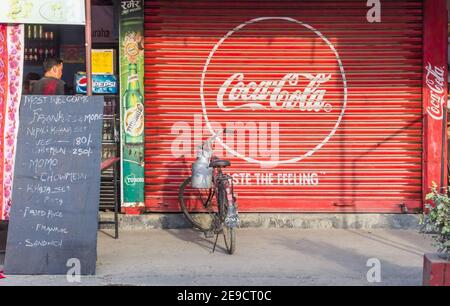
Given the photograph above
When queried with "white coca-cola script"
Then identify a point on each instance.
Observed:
(435, 82)
(273, 94)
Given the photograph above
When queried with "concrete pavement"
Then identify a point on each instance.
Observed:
(263, 257)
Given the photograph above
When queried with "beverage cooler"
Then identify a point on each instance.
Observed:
(106, 85)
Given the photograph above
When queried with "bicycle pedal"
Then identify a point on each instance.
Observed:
(209, 234)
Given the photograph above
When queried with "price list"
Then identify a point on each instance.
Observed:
(56, 185)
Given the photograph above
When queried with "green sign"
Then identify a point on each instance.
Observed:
(43, 11)
(132, 101)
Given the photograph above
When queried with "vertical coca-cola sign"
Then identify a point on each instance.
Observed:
(436, 84)
(435, 91)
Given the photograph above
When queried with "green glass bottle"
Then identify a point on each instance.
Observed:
(134, 108)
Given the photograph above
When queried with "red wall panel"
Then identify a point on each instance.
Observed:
(435, 92)
(325, 107)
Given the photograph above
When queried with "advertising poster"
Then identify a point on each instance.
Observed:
(132, 101)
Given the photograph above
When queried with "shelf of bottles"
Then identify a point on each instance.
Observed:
(40, 43)
(111, 138)
(110, 149)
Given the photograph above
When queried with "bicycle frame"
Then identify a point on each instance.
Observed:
(210, 178)
(227, 212)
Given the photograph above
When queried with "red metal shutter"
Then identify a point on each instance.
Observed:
(348, 115)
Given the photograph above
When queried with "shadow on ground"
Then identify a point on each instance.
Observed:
(405, 246)
(197, 237)
(353, 256)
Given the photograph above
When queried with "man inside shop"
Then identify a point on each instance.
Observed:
(51, 83)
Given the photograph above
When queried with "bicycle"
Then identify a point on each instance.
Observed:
(215, 219)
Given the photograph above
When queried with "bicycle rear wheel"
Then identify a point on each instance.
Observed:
(196, 205)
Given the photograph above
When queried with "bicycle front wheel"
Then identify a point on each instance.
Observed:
(229, 235)
(196, 205)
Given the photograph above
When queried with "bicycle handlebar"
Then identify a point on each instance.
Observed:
(211, 139)
(207, 145)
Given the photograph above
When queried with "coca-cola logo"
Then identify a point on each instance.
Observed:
(435, 81)
(292, 76)
(308, 99)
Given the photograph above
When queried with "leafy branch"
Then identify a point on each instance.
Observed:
(436, 220)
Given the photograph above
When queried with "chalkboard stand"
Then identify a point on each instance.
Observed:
(54, 215)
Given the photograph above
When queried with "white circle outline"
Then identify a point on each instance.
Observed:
(292, 160)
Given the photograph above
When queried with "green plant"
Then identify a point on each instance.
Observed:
(436, 220)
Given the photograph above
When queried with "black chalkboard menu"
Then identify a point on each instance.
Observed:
(54, 216)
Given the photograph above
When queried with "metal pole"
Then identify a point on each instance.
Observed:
(88, 39)
(116, 202)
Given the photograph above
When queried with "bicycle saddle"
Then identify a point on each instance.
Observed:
(219, 163)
